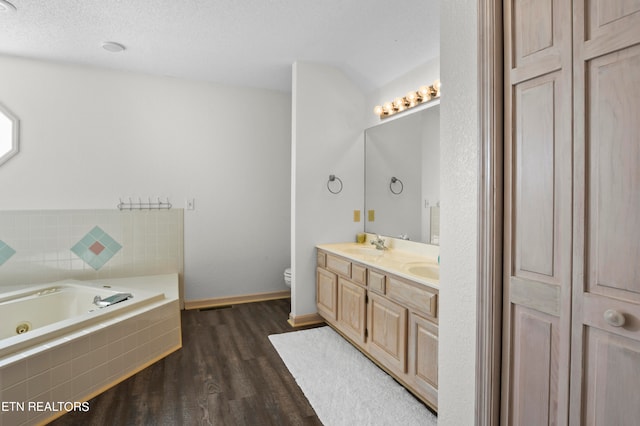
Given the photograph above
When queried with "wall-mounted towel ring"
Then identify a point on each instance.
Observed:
(333, 178)
(396, 180)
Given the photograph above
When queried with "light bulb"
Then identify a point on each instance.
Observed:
(436, 86)
(378, 110)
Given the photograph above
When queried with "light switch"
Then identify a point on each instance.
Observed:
(371, 215)
(356, 215)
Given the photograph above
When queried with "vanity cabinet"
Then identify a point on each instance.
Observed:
(392, 319)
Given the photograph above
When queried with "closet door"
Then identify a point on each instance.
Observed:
(605, 371)
(537, 196)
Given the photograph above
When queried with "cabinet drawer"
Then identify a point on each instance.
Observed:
(339, 265)
(358, 274)
(414, 296)
(377, 281)
(321, 259)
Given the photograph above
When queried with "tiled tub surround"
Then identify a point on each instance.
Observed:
(76, 364)
(50, 245)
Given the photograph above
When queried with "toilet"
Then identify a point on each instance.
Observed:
(287, 277)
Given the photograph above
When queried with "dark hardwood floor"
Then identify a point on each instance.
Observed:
(227, 373)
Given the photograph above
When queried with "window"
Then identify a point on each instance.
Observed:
(9, 126)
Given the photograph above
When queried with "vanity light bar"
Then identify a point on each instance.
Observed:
(422, 95)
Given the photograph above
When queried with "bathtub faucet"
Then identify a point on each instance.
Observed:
(111, 300)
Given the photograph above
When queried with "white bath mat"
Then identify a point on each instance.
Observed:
(343, 386)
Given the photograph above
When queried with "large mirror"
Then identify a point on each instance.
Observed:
(402, 176)
(9, 129)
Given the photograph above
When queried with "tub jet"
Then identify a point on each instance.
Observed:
(23, 327)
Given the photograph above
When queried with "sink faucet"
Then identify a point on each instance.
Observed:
(379, 243)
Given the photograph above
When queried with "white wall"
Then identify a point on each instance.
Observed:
(328, 117)
(459, 212)
(90, 136)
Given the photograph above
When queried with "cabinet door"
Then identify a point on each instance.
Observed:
(326, 293)
(387, 325)
(351, 310)
(423, 357)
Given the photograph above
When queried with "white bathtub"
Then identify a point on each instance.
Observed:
(75, 350)
(52, 310)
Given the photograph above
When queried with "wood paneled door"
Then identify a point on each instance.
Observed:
(605, 373)
(537, 196)
(571, 263)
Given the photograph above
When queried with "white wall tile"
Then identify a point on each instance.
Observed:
(43, 241)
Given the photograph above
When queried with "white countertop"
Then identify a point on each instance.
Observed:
(413, 266)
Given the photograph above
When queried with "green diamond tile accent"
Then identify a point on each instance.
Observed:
(5, 252)
(83, 248)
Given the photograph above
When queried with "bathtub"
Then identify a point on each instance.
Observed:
(39, 313)
(57, 346)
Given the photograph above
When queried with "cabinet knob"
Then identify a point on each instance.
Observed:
(614, 318)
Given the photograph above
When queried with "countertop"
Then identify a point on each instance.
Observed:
(413, 266)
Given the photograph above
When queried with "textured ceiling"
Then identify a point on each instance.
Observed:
(237, 42)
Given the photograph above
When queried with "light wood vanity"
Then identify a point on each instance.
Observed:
(377, 301)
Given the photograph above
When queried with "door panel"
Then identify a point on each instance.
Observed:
(613, 150)
(605, 353)
(605, 17)
(536, 20)
(603, 12)
(535, 370)
(539, 31)
(611, 379)
(534, 178)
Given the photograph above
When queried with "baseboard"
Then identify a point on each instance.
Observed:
(236, 300)
(304, 320)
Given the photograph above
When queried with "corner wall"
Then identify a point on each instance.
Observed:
(327, 138)
(458, 212)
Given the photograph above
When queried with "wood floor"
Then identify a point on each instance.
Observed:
(227, 373)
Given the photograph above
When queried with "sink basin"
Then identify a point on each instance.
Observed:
(424, 270)
(364, 251)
